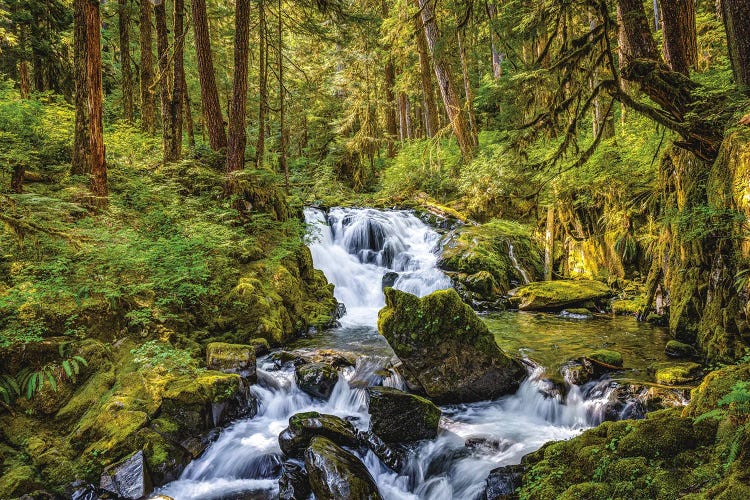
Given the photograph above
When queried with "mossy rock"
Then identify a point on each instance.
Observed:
(304, 426)
(18, 480)
(232, 358)
(606, 356)
(715, 386)
(627, 307)
(334, 473)
(662, 433)
(399, 417)
(677, 349)
(555, 295)
(316, 379)
(668, 373)
(446, 347)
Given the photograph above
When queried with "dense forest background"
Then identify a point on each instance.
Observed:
(155, 157)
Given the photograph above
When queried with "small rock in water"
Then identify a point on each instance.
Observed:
(304, 426)
(397, 416)
(389, 279)
(232, 358)
(392, 456)
(487, 444)
(334, 473)
(293, 483)
(576, 313)
(317, 379)
(128, 479)
(677, 349)
(503, 482)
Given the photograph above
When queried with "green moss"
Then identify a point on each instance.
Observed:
(714, 386)
(606, 356)
(543, 295)
(676, 373)
(627, 307)
(230, 357)
(19, 480)
(677, 349)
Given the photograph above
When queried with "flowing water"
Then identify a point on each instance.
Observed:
(359, 250)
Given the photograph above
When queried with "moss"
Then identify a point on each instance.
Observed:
(714, 386)
(88, 395)
(606, 356)
(19, 480)
(545, 295)
(590, 490)
(627, 307)
(233, 358)
(668, 373)
(677, 349)
(662, 433)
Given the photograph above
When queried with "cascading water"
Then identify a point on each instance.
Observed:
(356, 249)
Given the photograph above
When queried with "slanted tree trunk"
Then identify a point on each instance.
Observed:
(452, 103)
(80, 157)
(126, 73)
(217, 137)
(97, 158)
(680, 35)
(148, 109)
(425, 73)
(736, 14)
(237, 138)
(260, 146)
(165, 97)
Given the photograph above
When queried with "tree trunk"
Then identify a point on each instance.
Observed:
(24, 79)
(80, 157)
(468, 93)
(162, 49)
(260, 147)
(425, 73)
(390, 97)
(175, 107)
(188, 114)
(497, 56)
(97, 158)
(736, 14)
(237, 138)
(445, 81)
(282, 95)
(549, 243)
(407, 117)
(402, 117)
(126, 73)
(212, 117)
(680, 35)
(148, 109)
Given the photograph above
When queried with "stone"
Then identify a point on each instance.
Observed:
(399, 417)
(607, 357)
(293, 483)
(503, 482)
(389, 279)
(335, 473)
(261, 346)
(392, 455)
(304, 426)
(556, 295)
(677, 349)
(232, 358)
(446, 348)
(316, 379)
(668, 373)
(128, 479)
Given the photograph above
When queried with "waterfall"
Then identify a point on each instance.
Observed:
(517, 266)
(357, 249)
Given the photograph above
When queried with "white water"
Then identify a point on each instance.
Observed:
(355, 251)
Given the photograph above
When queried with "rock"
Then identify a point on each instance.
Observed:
(676, 373)
(304, 426)
(607, 357)
(232, 358)
(446, 347)
(592, 367)
(329, 356)
(389, 279)
(334, 473)
(576, 313)
(555, 295)
(487, 445)
(391, 455)
(128, 478)
(316, 379)
(398, 417)
(677, 349)
(293, 483)
(261, 346)
(503, 482)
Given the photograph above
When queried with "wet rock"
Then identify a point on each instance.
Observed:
(393, 456)
(331, 357)
(389, 279)
(503, 482)
(677, 349)
(304, 426)
(576, 313)
(446, 347)
(397, 416)
(293, 483)
(232, 358)
(606, 357)
(488, 445)
(668, 373)
(316, 379)
(334, 473)
(261, 346)
(128, 479)
(283, 357)
(556, 295)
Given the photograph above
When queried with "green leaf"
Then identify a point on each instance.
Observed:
(81, 360)
(31, 385)
(52, 381)
(66, 368)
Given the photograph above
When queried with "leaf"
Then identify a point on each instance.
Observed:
(52, 381)
(75, 366)
(31, 385)
(81, 360)
(67, 369)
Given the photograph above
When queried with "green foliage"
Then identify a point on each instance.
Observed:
(706, 221)
(423, 165)
(164, 356)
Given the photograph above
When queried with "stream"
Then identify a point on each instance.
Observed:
(358, 249)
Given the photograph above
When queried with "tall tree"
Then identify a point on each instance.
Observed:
(175, 107)
(212, 117)
(284, 139)
(80, 157)
(97, 158)
(237, 137)
(444, 76)
(390, 97)
(468, 92)
(171, 73)
(497, 56)
(165, 97)
(425, 74)
(148, 108)
(680, 35)
(736, 14)
(260, 146)
(126, 73)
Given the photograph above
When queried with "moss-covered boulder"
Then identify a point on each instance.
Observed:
(669, 373)
(446, 348)
(607, 357)
(316, 379)
(398, 417)
(334, 473)
(677, 349)
(714, 386)
(304, 426)
(232, 358)
(555, 295)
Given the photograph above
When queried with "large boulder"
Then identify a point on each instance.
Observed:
(304, 426)
(127, 479)
(334, 473)
(316, 379)
(397, 416)
(293, 483)
(556, 295)
(446, 348)
(232, 358)
(503, 482)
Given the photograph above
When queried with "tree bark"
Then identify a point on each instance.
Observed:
(260, 147)
(425, 73)
(736, 14)
(237, 139)
(97, 158)
(217, 137)
(468, 93)
(444, 77)
(126, 73)
(391, 128)
(148, 109)
(175, 107)
(165, 97)
(187, 112)
(549, 243)
(497, 56)
(680, 35)
(24, 79)
(80, 157)
(282, 96)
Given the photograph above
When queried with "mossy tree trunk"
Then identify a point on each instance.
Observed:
(237, 138)
(736, 14)
(212, 117)
(148, 106)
